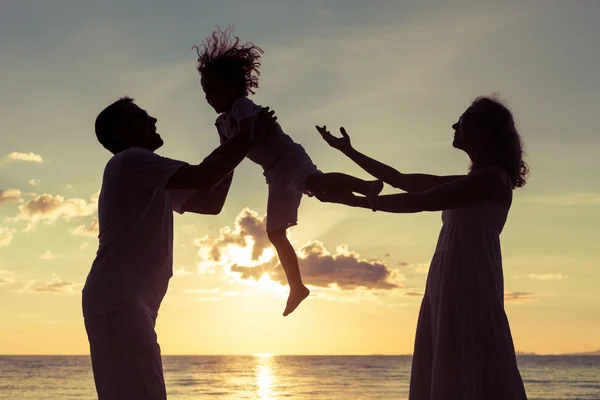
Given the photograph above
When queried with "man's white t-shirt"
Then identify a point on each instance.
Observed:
(134, 261)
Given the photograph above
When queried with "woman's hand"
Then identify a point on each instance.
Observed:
(342, 144)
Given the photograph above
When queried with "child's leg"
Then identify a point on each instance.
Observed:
(289, 262)
(336, 182)
(282, 212)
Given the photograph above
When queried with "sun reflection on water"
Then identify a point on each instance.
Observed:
(264, 376)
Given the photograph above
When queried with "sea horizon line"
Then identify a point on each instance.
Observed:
(518, 353)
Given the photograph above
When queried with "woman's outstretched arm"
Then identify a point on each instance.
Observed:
(487, 185)
(408, 182)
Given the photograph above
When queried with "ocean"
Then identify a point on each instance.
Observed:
(285, 377)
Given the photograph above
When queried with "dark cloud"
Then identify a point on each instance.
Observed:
(346, 270)
(507, 296)
(49, 208)
(10, 196)
(343, 269)
(91, 230)
(511, 296)
(248, 226)
(47, 205)
(56, 285)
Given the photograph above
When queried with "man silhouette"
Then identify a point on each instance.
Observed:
(134, 262)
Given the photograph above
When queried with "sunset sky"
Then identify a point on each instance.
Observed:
(397, 76)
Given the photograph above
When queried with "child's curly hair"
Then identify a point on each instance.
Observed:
(226, 55)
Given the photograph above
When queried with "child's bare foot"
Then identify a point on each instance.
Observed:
(297, 295)
(373, 191)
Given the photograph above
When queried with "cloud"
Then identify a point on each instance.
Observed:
(91, 230)
(245, 252)
(10, 196)
(249, 230)
(515, 296)
(84, 245)
(28, 157)
(508, 296)
(47, 255)
(94, 198)
(344, 269)
(34, 182)
(421, 268)
(6, 277)
(49, 208)
(181, 272)
(547, 277)
(55, 285)
(6, 235)
(566, 199)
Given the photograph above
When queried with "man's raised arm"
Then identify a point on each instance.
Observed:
(216, 167)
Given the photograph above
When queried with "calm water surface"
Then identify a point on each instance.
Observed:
(284, 377)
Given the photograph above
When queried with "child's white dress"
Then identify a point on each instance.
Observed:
(285, 163)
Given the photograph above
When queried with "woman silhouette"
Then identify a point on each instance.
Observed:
(463, 346)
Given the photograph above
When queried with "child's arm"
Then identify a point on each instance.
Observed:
(414, 183)
(381, 171)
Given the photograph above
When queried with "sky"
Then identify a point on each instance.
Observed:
(397, 75)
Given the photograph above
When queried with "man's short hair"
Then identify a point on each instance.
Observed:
(108, 119)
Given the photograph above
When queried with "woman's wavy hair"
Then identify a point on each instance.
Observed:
(506, 145)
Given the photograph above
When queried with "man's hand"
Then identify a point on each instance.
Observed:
(342, 144)
(263, 127)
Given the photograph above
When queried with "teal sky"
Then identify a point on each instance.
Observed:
(396, 75)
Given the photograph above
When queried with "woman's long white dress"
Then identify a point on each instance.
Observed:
(463, 347)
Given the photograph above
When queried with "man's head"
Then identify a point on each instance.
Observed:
(123, 124)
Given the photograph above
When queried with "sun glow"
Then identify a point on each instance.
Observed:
(264, 355)
(264, 376)
(266, 283)
(242, 256)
